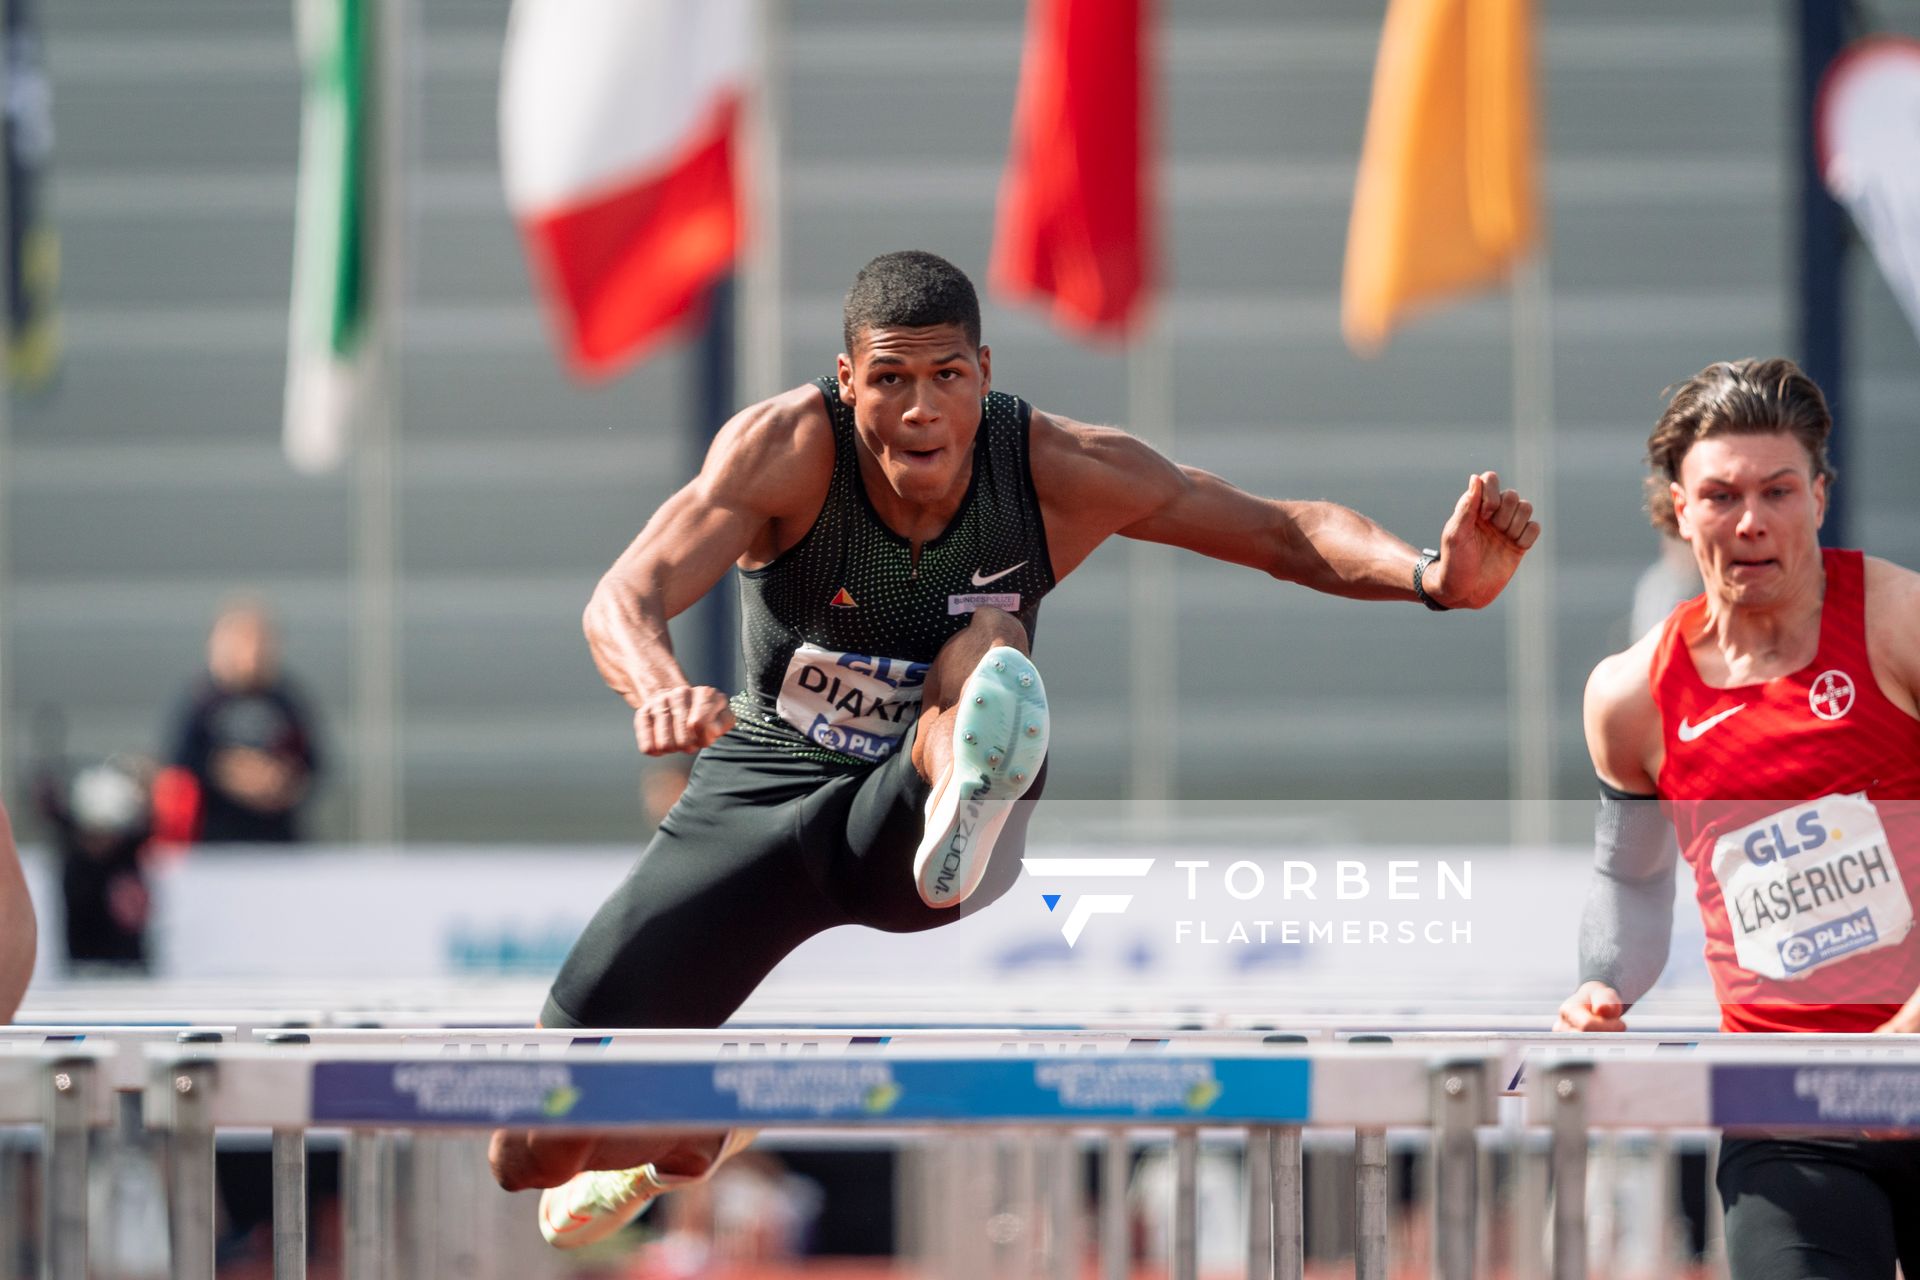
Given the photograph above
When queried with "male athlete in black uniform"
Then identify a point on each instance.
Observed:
(895, 526)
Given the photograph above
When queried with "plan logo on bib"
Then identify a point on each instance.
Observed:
(1823, 942)
(1831, 695)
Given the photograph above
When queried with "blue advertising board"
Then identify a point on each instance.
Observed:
(839, 1091)
(1832, 1095)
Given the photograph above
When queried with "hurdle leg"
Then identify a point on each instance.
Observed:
(1486, 1186)
(1331, 1175)
(1062, 1181)
(1259, 1166)
(63, 1241)
(1569, 1160)
(978, 1191)
(1603, 1200)
(1186, 1204)
(1289, 1218)
(1716, 1244)
(10, 1203)
(1529, 1202)
(1017, 1216)
(957, 1232)
(190, 1171)
(1456, 1170)
(933, 1188)
(1116, 1165)
(911, 1163)
(289, 1204)
(289, 1188)
(1370, 1204)
(1666, 1245)
(368, 1225)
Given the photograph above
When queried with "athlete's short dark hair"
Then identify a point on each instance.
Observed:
(910, 290)
(1734, 397)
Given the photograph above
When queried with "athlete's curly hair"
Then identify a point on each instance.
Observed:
(1734, 397)
(909, 290)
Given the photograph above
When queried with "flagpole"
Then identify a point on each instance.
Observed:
(751, 298)
(1530, 615)
(379, 787)
(760, 326)
(1153, 649)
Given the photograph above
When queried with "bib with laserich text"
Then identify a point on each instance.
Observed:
(1810, 884)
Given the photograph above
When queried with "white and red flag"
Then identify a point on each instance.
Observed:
(1867, 130)
(617, 137)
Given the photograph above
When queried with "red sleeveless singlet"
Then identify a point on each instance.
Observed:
(1797, 804)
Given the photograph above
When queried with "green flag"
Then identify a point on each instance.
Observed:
(327, 329)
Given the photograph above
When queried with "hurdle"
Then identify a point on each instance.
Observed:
(1776, 1083)
(1054, 1094)
(638, 1081)
(58, 1088)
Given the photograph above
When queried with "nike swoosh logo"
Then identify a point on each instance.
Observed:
(981, 580)
(1688, 732)
(574, 1222)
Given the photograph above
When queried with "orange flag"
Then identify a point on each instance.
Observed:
(1446, 198)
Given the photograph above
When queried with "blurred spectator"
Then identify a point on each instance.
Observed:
(18, 936)
(101, 822)
(243, 755)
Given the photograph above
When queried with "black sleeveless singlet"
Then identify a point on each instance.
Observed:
(838, 632)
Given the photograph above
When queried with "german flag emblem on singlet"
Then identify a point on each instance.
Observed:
(842, 600)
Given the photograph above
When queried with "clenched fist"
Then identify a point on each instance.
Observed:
(1490, 530)
(1594, 1007)
(682, 719)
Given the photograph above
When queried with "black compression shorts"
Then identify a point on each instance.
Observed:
(1820, 1209)
(763, 851)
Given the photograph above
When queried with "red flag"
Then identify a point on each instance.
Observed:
(1074, 222)
(617, 125)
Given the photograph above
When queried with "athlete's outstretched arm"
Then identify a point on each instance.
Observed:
(1095, 481)
(759, 472)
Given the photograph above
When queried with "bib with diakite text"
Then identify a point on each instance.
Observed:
(853, 703)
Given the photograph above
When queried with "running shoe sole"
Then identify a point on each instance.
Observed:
(999, 743)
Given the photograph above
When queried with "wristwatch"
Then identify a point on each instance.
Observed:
(1428, 556)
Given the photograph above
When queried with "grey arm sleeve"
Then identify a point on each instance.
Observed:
(1627, 926)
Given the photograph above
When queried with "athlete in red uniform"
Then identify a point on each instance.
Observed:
(1774, 720)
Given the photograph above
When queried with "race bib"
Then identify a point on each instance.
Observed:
(852, 703)
(1810, 885)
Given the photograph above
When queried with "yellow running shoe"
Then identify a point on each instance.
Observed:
(590, 1206)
